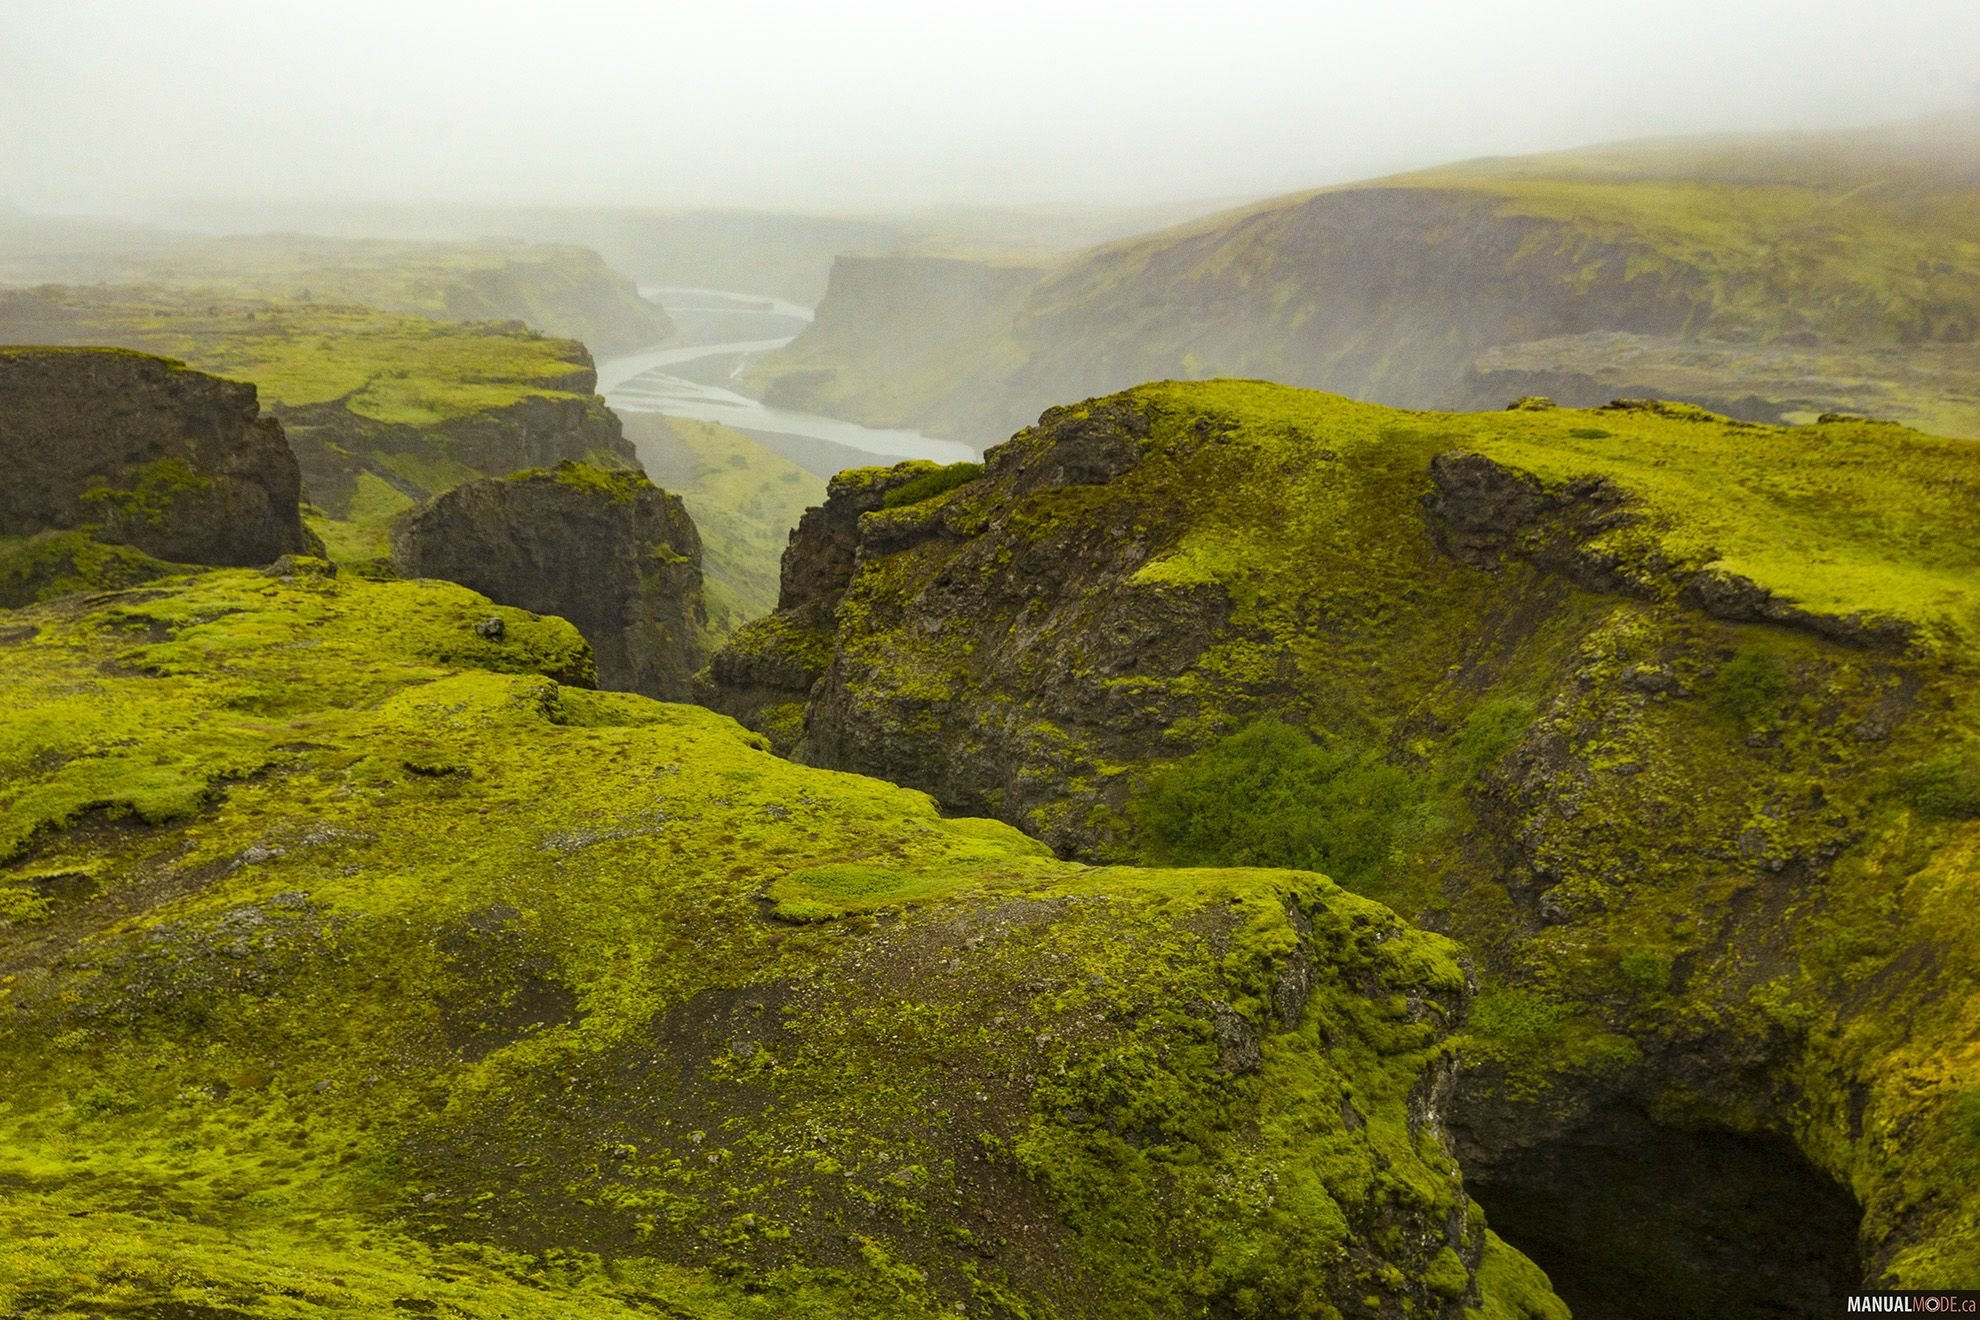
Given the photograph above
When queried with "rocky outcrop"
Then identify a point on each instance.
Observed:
(1624, 681)
(606, 549)
(145, 453)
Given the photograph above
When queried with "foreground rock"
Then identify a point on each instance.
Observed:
(606, 549)
(369, 970)
(140, 452)
(1672, 720)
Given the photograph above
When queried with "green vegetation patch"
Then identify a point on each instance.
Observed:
(1269, 795)
(818, 893)
(931, 484)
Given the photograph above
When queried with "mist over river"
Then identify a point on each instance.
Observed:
(694, 374)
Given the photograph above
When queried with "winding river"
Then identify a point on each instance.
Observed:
(718, 335)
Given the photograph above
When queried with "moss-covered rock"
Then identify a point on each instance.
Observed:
(350, 963)
(1637, 697)
(124, 450)
(604, 548)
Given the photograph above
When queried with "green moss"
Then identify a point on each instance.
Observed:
(150, 492)
(1946, 785)
(619, 485)
(49, 565)
(821, 892)
(1514, 1288)
(438, 982)
(931, 484)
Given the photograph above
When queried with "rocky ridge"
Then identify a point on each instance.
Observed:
(1758, 275)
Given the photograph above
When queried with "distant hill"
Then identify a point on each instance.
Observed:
(1844, 248)
(557, 289)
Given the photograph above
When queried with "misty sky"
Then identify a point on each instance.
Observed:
(107, 107)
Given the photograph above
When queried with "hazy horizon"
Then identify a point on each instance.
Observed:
(130, 109)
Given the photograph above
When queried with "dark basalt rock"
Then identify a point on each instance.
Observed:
(144, 452)
(608, 550)
(1075, 447)
(1482, 504)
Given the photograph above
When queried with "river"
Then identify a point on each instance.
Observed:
(718, 334)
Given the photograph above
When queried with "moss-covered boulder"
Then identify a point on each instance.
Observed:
(604, 548)
(1671, 720)
(105, 449)
(351, 963)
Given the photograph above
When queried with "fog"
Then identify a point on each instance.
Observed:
(121, 108)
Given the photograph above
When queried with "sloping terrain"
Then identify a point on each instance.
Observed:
(1844, 245)
(351, 962)
(1671, 720)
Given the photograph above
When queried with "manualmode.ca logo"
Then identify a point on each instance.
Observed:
(1912, 1303)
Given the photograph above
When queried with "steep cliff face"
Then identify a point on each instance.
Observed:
(607, 550)
(1390, 291)
(141, 452)
(374, 971)
(1672, 720)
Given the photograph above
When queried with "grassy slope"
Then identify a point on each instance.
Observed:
(1388, 290)
(1724, 819)
(744, 500)
(351, 964)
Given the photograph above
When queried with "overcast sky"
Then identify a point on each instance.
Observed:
(107, 106)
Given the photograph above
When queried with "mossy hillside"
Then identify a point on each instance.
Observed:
(1687, 843)
(1867, 236)
(384, 365)
(382, 409)
(352, 963)
(1392, 289)
(744, 497)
